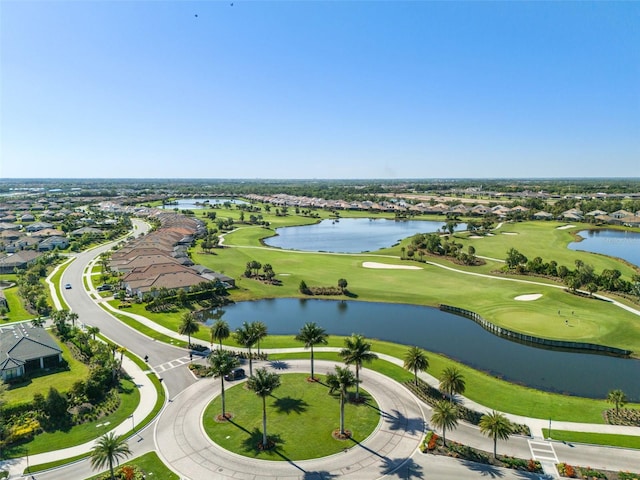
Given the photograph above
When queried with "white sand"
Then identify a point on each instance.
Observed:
(528, 298)
(564, 227)
(509, 233)
(387, 266)
(475, 236)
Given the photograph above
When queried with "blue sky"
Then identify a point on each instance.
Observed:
(331, 89)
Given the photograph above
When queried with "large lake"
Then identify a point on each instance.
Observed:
(351, 235)
(586, 375)
(615, 243)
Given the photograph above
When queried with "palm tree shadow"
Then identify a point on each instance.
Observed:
(290, 405)
(403, 468)
(279, 365)
(318, 476)
(396, 420)
(252, 444)
(484, 469)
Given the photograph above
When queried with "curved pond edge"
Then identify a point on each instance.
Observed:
(536, 341)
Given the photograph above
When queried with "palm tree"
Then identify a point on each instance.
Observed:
(342, 379)
(188, 326)
(452, 382)
(121, 350)
(497, 426)
(93, 331)
(220, 331)
(618, 398)
(109, 449)
(311, 334)
(222, 363)
(357, 351)
(260, 331)
(263, 383)
(416, 360)
(73, 316)
(444, 417)
(245, 336)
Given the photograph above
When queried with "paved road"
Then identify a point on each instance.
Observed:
(390, 453)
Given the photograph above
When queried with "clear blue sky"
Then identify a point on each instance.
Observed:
(330, 89)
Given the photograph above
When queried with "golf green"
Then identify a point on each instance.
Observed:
(301, 417)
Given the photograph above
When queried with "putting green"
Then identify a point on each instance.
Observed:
(301, 417)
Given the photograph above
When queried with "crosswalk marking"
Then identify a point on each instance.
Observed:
(178, 362)
(542, 451)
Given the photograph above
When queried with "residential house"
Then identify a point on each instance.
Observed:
(25, 348)
(51, 243)
(542, 215)
(37, 226)
(19, 260)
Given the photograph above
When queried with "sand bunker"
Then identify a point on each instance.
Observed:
(509, 233)
(475, 236)
(387, 266)
(564, 227)
(528, 298)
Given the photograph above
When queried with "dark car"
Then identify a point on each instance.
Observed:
(104, 288)
(235, 374)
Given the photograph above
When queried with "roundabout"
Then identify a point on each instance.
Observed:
(182, 442)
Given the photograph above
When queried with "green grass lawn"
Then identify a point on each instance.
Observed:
(44, 442)
(62, 381)
(17, 312)
(623, 441)
(151, 465)
(301, 417)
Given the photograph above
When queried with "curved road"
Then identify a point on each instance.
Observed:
(391, 452)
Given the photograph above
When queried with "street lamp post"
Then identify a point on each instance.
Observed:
(133, 425)
(549, 428)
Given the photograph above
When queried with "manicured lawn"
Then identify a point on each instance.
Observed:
(17, 312)
(624, 441)
(44, 442)
(151, 465)
(301, 417)
(592, 321)
(62, 381)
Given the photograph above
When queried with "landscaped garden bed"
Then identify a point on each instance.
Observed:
(433, 444)
(588, 473)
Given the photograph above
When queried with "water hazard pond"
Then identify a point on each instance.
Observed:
(351, 235)
(585, 375)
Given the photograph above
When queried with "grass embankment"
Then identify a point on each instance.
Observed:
(610, 440)
(151, 465)
(17, 312)
(294, 403)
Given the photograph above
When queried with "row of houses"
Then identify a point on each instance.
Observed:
(620, 217)
(160, 259)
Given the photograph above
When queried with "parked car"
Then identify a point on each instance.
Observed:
(235, 374)
(104, 288)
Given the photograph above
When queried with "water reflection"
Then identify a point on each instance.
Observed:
(580, 374)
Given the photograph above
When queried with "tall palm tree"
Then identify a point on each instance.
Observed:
(452, 382)
(245, 336)
(108, 450)
(222, 363)
(357, 351)
(311, 334)
(416, 360)
(444, 417)
(341, 379)
(93, 331)
(260, 332)
(618, 398)
(188, 326)
(263, 384)
(497, 426)
(73, 316)
(220, 331)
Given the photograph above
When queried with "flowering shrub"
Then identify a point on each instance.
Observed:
(429, 443)
(566, 470)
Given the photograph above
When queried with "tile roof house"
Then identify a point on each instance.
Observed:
(25, 348)
(21, 259)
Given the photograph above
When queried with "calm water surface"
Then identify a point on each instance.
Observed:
(351, 235)
(585, 375)
(615, 243)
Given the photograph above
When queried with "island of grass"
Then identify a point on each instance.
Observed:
(301, 419)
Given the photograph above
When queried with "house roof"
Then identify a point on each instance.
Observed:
(22, 342)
